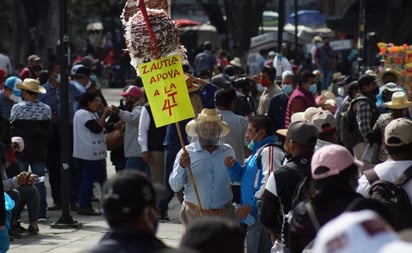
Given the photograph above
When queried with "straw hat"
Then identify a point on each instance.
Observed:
(31, 85)
(390, 72)
(399, 101)
(236, 62)
(337, 76)
(207, 115)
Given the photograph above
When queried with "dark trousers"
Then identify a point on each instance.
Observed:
(170, 153)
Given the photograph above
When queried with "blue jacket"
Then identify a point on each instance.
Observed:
(250, 176)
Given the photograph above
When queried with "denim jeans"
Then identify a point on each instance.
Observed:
(137, 163)
(257, 238)
(326, 79)
(38, 168)
(170, 153)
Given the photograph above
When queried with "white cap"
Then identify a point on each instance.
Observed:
(397, 247)
(354, 232)
(287, 73)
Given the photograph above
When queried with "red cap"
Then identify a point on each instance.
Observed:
(133, 91)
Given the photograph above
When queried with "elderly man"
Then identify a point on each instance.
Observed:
(31, 119)
(205, 157)
(132, 218)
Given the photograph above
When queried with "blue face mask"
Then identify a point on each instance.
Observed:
(313, 88)
(259, 87)
(287, 88)
(59, 78)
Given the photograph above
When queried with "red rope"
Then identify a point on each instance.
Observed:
(153, 40)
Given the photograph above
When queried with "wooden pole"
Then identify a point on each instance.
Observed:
(189, 169)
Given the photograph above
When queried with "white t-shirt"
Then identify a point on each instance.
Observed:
(389, 171)
(86, 144)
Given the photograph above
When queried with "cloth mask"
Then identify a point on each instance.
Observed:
(264, 81)
(313, 88)
(14, 98)
(88, 84)
(259, 87)
(251, 145)
(375, 91)
(341, 91)
(287, 88)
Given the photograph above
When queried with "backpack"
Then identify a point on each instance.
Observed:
(259, 153)
(347, 123)
(392, 196)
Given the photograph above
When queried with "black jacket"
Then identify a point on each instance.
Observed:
(287, 179)
(301, 230)
(128, 242)
(35, 134)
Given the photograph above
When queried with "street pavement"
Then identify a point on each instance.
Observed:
(59, 240)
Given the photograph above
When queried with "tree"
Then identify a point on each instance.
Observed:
(242, 21)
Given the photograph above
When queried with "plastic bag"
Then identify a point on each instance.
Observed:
(279, 247)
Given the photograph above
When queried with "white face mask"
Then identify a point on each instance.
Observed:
(341, 91)
(88, 84)
(14, 98)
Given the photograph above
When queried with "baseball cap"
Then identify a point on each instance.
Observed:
(398, 132)
(330, 160)
(34, 57)
(213, 234)
(396, 246)
(88, 61)
(133, 91)
(323, 121)
(306, 115)
(365, 80)
(391, 86)
(11, 83)
(127, 193)
(287, 73)
(80, 69)
(354, 232)
(300, 131)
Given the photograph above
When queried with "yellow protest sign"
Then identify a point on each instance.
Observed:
(166, 90)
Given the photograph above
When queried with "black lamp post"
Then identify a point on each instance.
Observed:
(65, 220)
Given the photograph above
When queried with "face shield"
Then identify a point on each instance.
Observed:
(209, 133)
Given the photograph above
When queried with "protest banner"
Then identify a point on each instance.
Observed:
(166, 90)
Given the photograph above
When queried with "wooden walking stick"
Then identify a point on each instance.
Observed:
(189, 169)
(155, 54)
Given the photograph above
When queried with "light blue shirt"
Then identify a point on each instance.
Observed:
(210, 174)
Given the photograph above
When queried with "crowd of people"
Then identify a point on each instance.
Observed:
(272, 158)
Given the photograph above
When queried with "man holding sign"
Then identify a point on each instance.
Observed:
(205, 157)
